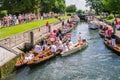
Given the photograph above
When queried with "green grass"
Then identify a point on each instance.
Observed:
(64, 17)
(9, 31)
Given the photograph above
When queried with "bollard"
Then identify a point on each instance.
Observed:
(32, 38)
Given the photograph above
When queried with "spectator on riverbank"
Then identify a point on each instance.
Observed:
(47, 27)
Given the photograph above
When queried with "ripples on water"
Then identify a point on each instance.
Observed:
(94, 63)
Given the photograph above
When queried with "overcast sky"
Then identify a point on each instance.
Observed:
(80, 4)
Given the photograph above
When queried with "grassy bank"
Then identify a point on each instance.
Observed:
(8, 31)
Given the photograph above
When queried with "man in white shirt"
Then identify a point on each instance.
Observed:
(38, 49)
(65, 48)
(53, 48)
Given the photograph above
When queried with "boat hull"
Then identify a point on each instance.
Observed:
(111, 48)
(76, 49)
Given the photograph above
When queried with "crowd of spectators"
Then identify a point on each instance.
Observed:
(11, 20)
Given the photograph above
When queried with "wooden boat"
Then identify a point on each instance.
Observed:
(21, 61)
(77, 47)
(67, 31)
(116, 49)
(102, 33)
(44, 56)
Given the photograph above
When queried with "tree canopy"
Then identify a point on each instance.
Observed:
(26, 6)
(71, 8)
(104, 5)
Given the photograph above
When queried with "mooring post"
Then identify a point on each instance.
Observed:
(32, 38)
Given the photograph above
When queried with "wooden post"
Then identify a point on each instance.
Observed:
(32, 38)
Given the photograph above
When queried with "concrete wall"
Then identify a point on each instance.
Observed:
(20, 38)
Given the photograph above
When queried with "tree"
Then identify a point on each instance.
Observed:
(59, 6)
(79, 11)
(97, 5)
(71, 8)
(112, 5)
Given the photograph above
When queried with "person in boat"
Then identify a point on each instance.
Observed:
(44, 44)
(38, 49)
(106, 32)
(116, 23)
(109, 36)
(29, 56)
(113, 40)
(65, 48)
(84, 40)
(60, 45)
(53, 48)
(79, 37)
(70, 44)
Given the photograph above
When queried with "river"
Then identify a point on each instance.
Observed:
(94, 63)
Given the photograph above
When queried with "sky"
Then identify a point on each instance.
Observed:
(80, 4)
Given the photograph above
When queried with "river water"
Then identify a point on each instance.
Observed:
(94, 63)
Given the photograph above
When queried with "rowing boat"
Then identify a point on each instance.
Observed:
(21, 62)
(116, 49)
(77, 47)
(92, 26)
(42, 58)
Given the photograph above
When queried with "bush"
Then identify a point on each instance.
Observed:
(3, 13)
(56, 16)
(68, 14)
(111, 16)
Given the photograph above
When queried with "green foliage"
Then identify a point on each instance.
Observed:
(79, 11)
(71, 8)
(111, 16)
(6, 69)
(112, 5)
(26, 6)
(97, 5)
(69, 14)
(57, 6)
(3, 13)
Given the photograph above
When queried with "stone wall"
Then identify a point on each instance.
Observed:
(24, 37)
